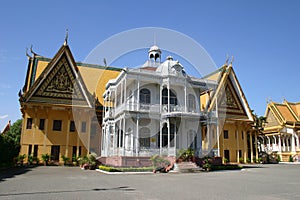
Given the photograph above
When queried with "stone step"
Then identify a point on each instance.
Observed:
(187, 167)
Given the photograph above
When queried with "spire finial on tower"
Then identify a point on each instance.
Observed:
(154, 53)
(66, 38)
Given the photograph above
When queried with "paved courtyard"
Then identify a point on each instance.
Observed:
(261, 182)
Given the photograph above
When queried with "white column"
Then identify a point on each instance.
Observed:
(168, 124)
(185, 97)
(275, 142)
(293, 143)
(287, 143)
(168, 97)
(283, 143)
(121, 91)
(137, 137)
(279, 143)
(175, 139)
(124, 131)
(114, 139)
(160, 138)
(119, 138)
(125, 96)
(138, 95)
(160, 98)
(297, 139)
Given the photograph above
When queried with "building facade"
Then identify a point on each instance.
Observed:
(60, 108)
(159, 109)
(281, 133)
(126, 115)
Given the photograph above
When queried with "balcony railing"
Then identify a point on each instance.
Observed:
(153, 108)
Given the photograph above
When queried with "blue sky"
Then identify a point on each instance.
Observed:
(263, 36)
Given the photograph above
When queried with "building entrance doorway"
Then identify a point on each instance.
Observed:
(55, 153)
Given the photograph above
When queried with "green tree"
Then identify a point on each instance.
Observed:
(10, 143)
(259, 122)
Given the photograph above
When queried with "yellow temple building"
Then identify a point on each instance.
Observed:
(281, 133)
(63, 105)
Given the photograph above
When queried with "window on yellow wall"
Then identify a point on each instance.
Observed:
(29, 123)
(72, 126)
(57, 124)
(226, 135)
(42, 124)
(83, 127)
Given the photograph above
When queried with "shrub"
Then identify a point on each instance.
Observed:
(45, 158)
(206, 164)
(20, 159)
(124, 169)
(241, 159)
(259, 160)
(65, 159)
(291, 159)
(108, 169)
(30, 159)
(186, 154)
(226, 160)
(159, 161)
(278, 158)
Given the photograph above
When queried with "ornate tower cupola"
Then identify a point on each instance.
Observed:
(154, 54)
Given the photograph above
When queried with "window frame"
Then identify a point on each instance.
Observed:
(42, 124)
(72, 127)
(226, 134)
(29, 122)
(57, 125)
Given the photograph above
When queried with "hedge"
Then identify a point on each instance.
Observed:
(122, 169)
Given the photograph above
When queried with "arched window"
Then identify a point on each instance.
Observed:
(145, 96)
(173, 98)
(191, 103)
(144, 139)
(165, 135)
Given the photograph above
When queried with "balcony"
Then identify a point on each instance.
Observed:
(152, 108)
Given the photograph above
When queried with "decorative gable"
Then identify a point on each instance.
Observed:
(230, 101)
(60, 83)
(271, 119)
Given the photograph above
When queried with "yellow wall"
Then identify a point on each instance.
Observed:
(48, 137)
(235, 142)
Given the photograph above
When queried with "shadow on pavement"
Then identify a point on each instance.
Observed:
(122, 189)
(13, 172)
(245, 166)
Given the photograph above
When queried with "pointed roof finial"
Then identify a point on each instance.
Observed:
(232, 59)
(28, 56)
(227, 58)
(66, 38)
(31, 50)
